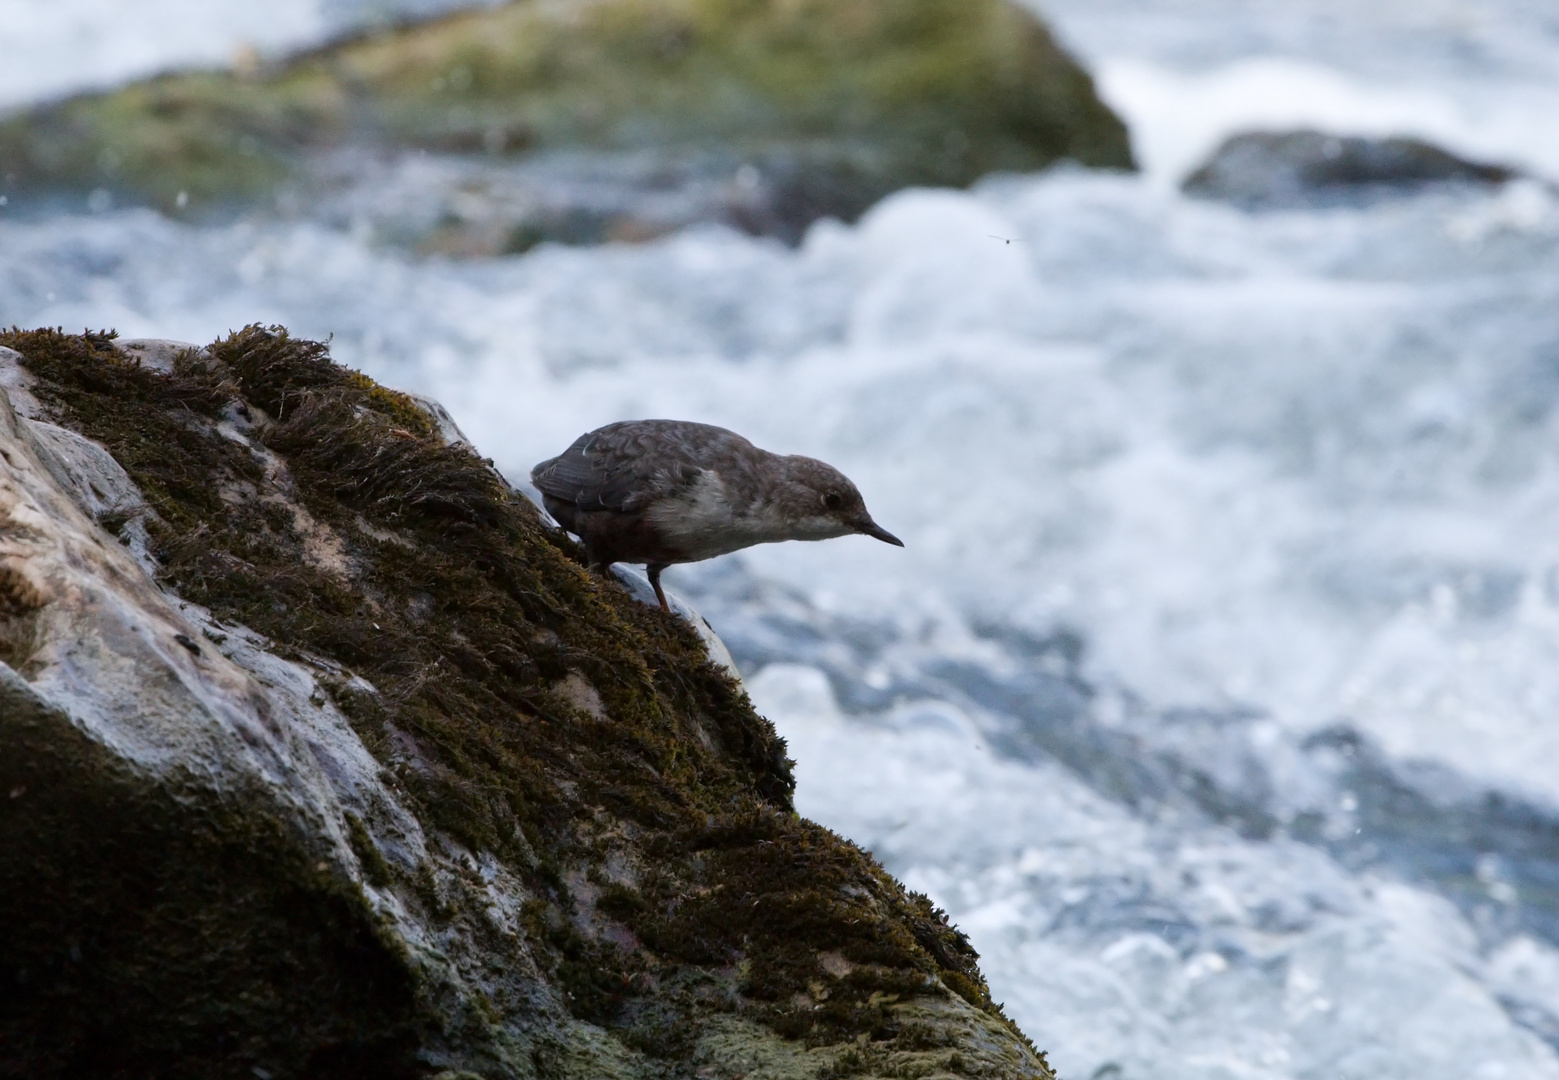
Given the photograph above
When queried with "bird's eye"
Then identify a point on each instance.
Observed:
(831, 500)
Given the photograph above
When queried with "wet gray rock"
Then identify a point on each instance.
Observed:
(1263, 169)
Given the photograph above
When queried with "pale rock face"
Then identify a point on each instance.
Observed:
(448, 430)
(141, 673)
(156, 353)
(54, 487)
(16, 384)
(88, 639)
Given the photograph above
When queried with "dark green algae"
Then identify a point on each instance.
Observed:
(863, 97)
(154, 925)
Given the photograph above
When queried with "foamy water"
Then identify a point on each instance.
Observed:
(1214, 692)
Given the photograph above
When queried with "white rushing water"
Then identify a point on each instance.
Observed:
(1215, 692)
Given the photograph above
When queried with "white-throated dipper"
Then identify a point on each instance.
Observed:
(671, 491)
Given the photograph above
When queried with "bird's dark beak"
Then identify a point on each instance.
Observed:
(871, 528)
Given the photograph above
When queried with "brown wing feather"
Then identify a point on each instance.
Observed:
(628, 465)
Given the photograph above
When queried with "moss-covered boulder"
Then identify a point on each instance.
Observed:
(767, 113)
(321, 755)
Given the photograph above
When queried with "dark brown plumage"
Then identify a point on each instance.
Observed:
(660, 492)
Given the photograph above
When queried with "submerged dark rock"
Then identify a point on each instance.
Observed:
(1296, 168)
(321, 755)
(492, 130)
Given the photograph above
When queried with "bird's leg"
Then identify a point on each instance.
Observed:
(653, 570)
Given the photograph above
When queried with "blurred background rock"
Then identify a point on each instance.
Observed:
(588, 121)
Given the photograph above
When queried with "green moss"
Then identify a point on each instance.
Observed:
(878, 94)
(467, 614)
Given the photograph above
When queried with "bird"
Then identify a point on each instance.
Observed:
(660, 492)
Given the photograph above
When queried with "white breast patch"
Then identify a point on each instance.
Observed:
(702, 523)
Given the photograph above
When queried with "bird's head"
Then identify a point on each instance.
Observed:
(819, 502)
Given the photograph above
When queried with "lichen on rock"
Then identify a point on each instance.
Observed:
(763, 113)
(322, 755)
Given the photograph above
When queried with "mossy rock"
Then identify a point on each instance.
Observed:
(837, 102)
(322, 755)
